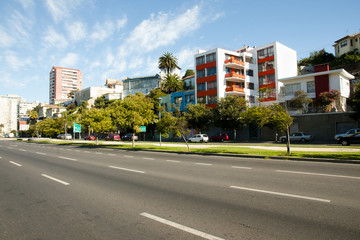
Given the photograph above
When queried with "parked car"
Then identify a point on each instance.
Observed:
(351, 131)
(298, 136)
(64, 136)
(129, 137)
(199, 138)
(349, 139)
(90, 137)
(112, 137)
(221, 137)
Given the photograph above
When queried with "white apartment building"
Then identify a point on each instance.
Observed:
(9, 112)
(90, 94)
(62, 82)
(245, 72)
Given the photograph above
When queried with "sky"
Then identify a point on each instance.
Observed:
(118, 39)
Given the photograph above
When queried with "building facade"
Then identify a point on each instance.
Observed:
(140, 84)
(62, 82)
(347, 44)
(9, 112)
(248, 72)
(90, 94)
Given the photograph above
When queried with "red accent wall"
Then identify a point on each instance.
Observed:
(206, 79)
(321, 84)
(206, 93)
(266, 72)
(266, 59)
(206, 65)
(321, 68)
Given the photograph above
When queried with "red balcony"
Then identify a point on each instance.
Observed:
(234, 90)
(234, 63)
(234, 77)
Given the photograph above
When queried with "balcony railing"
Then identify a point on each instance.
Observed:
(234, 77)
(234, 63)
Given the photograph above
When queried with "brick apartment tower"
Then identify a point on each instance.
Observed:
(63, 81)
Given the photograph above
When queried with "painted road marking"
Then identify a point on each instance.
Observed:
(282, 194)
(148, 158)
(318, 174)
(23, 150)
(181, 227)
(173, 161)
(128, 156)
(204, 164)
(241, 167)
(40, 153)
(98, 153)
(66, 158)
(19, 165)
(87, 152)
(111, 154)
(55, 179)
(10, 148)
(127, 169)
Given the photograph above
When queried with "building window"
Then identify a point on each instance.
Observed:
(266, 52)
(266, 66)
(211, 71)
(189, 98)
(249, 59)
(252, 99)
(201, 87)
(351, 42)
(310, 87)
(343, 43)
(211, 85)
(212, 99)
(200, 73)
(201, 100)
(178, 100)
(250, 72)
(211, 57)
(200, 60)
(250, 85)
(268, 93)
(266, 79)
(292, 88)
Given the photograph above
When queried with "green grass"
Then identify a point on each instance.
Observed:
(241, 150)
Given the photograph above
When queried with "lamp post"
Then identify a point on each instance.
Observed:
(160, 115)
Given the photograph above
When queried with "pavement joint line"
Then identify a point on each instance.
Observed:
(204, 164)
(126, 169)
(67, 158)
(238, 167)
(282, 194)
(17, 164)
(55, 179)
(181, 227)
(318, 174)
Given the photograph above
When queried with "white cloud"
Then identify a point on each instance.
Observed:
(26, 3)
(11, 82)
(5, 39)
(95, 64)
(186, 58)
(104, 30)
(20, 27)
(14, 61)
(161, 30)
(54, 39)
(70, 60)
(76, 30)
(61, 9)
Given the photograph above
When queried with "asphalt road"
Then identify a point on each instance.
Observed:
(50, 191)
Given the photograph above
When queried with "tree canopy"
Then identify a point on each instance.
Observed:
(172, 83)
(168, 62)
(198, 116)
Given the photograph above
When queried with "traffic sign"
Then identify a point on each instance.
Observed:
(77, 128)
(142, 128)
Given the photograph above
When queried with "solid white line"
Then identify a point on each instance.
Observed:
(204, 164)
(282, 194)
(148, 158)
(40, 153)
(181, 227)
(319, 174)
(173, 161)
(241, 167)
(127, 169)
(66, 158)
(55, 179)
(15, 163)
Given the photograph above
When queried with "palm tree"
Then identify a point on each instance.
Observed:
(172, 83)
(168, 62)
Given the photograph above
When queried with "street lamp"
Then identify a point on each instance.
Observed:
(160, 115)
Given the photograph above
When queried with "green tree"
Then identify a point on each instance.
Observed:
(50, 127)
(33, 115)
(198, 116)
(317, 57)
(228, 114)
(134, 111)
(168, 62)
(189, 72)
(300, 100)
(97, 120)
(354, 100)
(172, 83)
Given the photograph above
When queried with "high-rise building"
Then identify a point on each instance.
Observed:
(62, 82)
(250, 72)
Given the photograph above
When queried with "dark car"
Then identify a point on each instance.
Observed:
(221, 137)
(90, 137)
(347, 140)
(113, 137)
(129, 137)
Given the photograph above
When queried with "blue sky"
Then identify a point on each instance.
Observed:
(118, 39)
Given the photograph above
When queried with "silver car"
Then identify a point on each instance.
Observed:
(299, 136)
(199, 138)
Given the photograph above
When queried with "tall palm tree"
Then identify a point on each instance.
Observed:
(168, 62)
(172, 83)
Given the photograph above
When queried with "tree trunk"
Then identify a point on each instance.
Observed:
(288, 140)
(234, 134)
